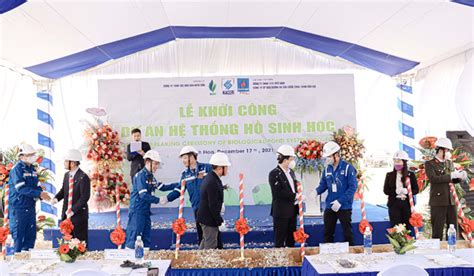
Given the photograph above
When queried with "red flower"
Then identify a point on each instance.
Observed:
(41, 218)
(4, 232)
(179, 226)
(241, 226)
(471, 184)
(408, 237)
(416, 220)
(117, 236)
(391, 230)
(66, 227)
(364, 224)
(39, 160)
(67, 237)
(467, 225)
(64, 249)
(81, 247)
(300, 236)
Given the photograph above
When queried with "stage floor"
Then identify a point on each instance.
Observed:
(259, 219)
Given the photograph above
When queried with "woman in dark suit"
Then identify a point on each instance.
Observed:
(395, 187)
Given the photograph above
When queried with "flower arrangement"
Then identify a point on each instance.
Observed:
(104, 151)
(352, 148)
(309, 156)
(70, 248)
(400, 239)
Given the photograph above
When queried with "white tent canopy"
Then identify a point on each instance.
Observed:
(419, 31)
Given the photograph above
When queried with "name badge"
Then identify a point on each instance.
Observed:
(427, 244)
(334, 188)
(43, 254)
(334, 248)
(119, 254)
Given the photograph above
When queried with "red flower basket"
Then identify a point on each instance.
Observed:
(300, 236)
(179, 226)
(4, 231)
(467, 225)
(364, 224)
(66, 227)
(241, 226)
(416, 220)
(118, 236)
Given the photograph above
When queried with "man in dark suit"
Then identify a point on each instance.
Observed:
(79, 212)
(284, 203)
(440, 171)
(136, 157)
(212, 198)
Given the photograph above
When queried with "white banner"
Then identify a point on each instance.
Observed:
(246, 117)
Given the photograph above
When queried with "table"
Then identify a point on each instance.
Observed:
(370, 265)
(57, 268)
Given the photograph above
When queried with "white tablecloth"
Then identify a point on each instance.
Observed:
(326, 264)
(56, 268)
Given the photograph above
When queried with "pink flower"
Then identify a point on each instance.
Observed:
(348, 130)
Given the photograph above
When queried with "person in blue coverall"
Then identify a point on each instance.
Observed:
(340, 180)
(24, 192)
(193, 174)
(144, 185)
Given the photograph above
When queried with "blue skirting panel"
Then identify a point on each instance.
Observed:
(268, 271)
(308, 270)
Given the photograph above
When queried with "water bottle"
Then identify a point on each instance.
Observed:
(451, 239)
(9, 248)
(367, 241)
(139, 250)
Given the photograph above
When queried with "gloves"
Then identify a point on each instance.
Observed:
(457, 174)
(222, 227)
(54, 201)
(163, 200)
(404, 191)
(335, 205)
(463, 175)
(222, 210)
(398, 191)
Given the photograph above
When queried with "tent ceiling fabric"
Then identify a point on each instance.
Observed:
(387, 36)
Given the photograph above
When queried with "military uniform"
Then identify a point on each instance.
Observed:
(442, 205)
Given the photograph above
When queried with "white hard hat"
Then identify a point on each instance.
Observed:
(400, 154)
(25, 149)
(219, 159)
(286, 150)
(330, 148)
(153, 155)
(187, 149)
(444, 143)
(73, 155)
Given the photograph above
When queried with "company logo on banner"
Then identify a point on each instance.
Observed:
(173, 113)
(228, 85)
(243, 85)
(212, 87)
